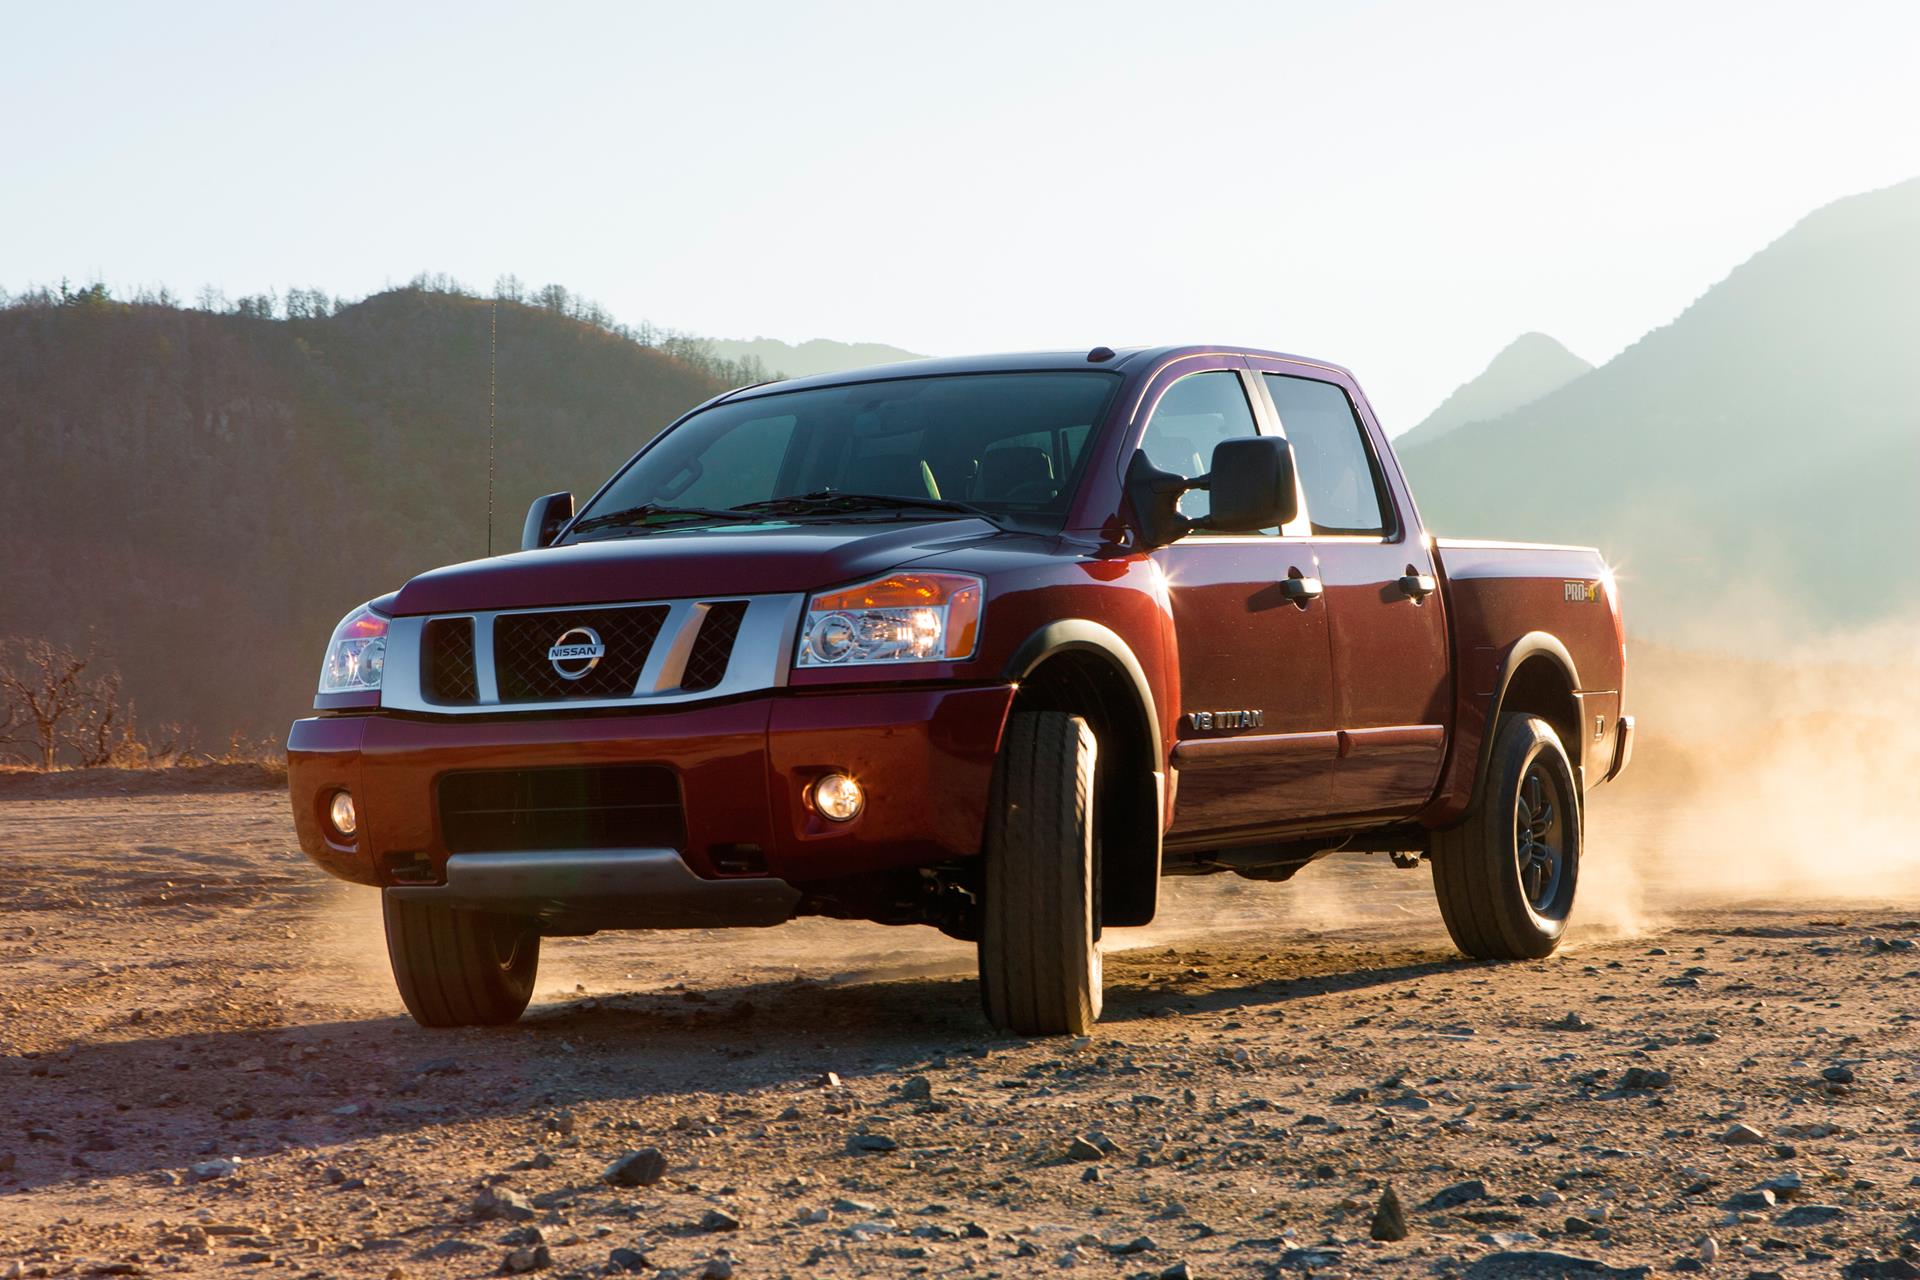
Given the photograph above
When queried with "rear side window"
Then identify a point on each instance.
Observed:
(1195, 414)
(1337, 469)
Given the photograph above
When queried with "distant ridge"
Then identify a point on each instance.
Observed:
(817, 355)
(1527, 368)
(1757, 458)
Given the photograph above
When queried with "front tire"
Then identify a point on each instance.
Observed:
(1506, 876)
(1040, 970)
(460, 968)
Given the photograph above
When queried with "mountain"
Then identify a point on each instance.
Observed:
(1527, 368)
(1753, 465)
(818, 355)
(205, 494)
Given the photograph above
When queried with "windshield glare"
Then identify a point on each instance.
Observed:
(1012, 444)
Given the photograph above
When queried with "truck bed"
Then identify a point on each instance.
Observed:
(1512, 604)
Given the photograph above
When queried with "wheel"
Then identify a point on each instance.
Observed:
(1039, 933)
(1506, 875)
(460, 968)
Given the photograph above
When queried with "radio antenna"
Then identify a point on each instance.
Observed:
(493, 369)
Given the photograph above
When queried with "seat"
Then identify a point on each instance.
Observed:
(1018, 473)
(896, 475)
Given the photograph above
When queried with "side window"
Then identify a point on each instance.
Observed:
(1195, 414)
(1337, 470)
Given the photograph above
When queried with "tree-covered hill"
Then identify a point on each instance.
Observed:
(206, 492)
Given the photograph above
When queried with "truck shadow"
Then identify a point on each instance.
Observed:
(153, 1106)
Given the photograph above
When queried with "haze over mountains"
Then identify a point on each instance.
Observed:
(1753, 465)
(1527, 368)
(800, 360)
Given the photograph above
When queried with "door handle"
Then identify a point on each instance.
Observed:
(1301, 590)
(1417, 586)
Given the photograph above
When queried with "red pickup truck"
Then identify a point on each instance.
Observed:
(989, 644)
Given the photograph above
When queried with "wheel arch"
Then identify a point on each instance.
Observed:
(1537, 677)
(1087, 669)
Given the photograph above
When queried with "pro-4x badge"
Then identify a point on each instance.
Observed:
(1582, 593)
(1212, 721)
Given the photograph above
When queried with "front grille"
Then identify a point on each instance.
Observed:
(521, 642)
(602, 807)
(707, 660)
(446, 661)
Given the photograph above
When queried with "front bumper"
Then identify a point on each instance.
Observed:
(924, 756)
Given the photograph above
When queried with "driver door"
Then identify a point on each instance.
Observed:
(1256, 741)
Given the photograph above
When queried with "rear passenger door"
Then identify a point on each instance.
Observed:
(1391, 680)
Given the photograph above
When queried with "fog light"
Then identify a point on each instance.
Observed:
(340, 814)
(838, 797)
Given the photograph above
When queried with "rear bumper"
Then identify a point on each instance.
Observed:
(924, 756)
(1622, 748)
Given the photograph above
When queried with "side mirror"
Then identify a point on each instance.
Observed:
(1251, 485)
(545, 518)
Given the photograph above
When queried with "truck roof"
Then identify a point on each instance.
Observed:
(1124, 359)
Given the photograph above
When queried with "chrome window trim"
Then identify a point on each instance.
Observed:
(761, 657)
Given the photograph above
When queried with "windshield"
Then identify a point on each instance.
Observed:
(1007, 445)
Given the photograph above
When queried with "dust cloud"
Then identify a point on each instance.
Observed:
(1787, 782)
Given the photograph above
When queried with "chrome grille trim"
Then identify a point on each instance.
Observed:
(762, 655)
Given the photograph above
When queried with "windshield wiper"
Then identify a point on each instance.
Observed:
(835, 502)
(650, 513)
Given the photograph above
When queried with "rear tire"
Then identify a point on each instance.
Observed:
(1040, 970)
(460, 968)
(1506, 876)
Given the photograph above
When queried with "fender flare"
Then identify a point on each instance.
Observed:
(1078, 634)
(1532, 644)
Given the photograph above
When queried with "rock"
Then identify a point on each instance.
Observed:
(1456, 1195)
(718, 1220)
(452, 1247)
(518, 1261)
(1351, 1096)
(1572, 1022)
(860, 1144)
(1178, 1271)
(1838, 1075)
(1645, 1078)
(641, 1168)
(1810, 1215)
(502, 1203)
(208, 1170)
(1091, 1146)
(1890, 1269)
(1750, 1201)
(1743, 1135)
(1318, 1259)
(1139, 1244)
(1543, 1264)
(917, 1089)
(627, 1260)
(1785, 1186)
(1709, 1250)
(717, 1269)
(1389, 1217)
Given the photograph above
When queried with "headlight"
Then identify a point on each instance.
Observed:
(903, 617)
(357, 654)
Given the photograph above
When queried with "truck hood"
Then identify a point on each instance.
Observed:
(666, 565)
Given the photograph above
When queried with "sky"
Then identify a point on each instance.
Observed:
(1402, 188)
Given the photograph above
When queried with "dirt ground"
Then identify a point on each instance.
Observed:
(206, 1070)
